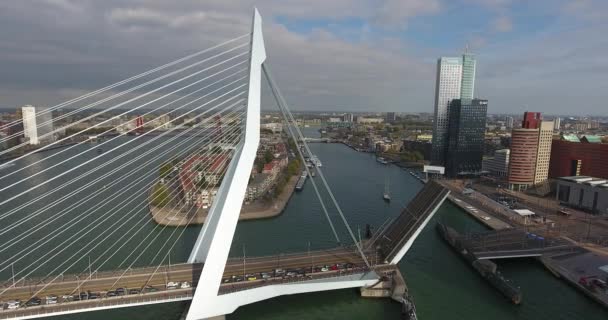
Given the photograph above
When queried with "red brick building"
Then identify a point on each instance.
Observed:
(578, 158)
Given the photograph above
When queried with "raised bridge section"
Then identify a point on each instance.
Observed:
(394, 241)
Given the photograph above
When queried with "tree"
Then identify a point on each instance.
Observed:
(292, 144)
(165, 170)
(268, 156)
(202, 183)
(160, 195)
(293, 167)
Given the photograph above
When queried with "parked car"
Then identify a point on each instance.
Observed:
(121, 291)
(172, 285)
(185, 285)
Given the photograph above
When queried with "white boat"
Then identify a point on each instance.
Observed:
(315, 160)
(387, 195)
(381, 160)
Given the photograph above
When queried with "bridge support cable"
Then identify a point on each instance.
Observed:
(233, 139)
(152, 111)
(203, 113)
(125, 113)
(116, 148)
(230, 133)
(308, 171)
(110, 199)
(115, 182)
(114, 85)
(237, 135)
(283, 105)
(239, 102)
(56, 189)
(147, 93)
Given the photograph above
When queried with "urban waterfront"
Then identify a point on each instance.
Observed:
(442, 284)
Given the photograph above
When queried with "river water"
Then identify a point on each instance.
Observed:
(443, 285)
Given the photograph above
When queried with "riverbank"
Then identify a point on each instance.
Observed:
(178, 218)
(37, 150)
(570, 267)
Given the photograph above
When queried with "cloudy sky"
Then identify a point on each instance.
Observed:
(541, 55)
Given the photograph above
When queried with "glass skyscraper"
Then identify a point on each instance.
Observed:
(455, 80)
(466, 131)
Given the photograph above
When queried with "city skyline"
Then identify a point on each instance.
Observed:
(388, 51)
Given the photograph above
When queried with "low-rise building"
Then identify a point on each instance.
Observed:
(583, 192)
(369, 120)
(499, 164)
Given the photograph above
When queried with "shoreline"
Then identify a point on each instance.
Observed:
(560, 265)
(174, 218)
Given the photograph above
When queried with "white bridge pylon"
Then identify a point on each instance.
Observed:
(213, 244)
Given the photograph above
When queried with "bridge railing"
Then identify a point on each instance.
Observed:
(73, 306)
(226, 289)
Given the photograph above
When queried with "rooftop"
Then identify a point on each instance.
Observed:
(591, 139)
(590, 181)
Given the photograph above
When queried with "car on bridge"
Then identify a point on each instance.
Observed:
(13, 304)
(50, 299)
(35, 301)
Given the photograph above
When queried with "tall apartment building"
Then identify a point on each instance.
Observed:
(37, 125)
(530, 152)
(466, 130)
(30, 129)
(455, 80)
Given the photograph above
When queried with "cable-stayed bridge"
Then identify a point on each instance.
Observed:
(69, 214)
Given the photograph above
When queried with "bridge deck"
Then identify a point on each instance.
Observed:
(383, 247)
(152, 278)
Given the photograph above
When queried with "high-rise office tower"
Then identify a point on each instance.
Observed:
(543, 157)
(466, 133)
(455, 80)
(509, 122)
(557, 124)
(348, 117)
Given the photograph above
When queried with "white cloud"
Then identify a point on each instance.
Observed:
(58, 52)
